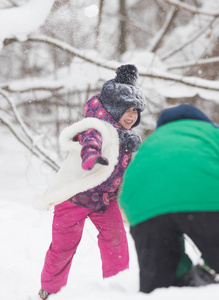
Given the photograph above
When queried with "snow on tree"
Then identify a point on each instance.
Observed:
(22, 20)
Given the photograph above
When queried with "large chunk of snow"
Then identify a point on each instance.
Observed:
(20, 21)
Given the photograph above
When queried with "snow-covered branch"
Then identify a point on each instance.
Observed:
(20, 21)
(74, 51)
(194, 82)
(189, 81)
(179, 87)
(192, 9)
(31, 87)
(151, 73)
(193, 63)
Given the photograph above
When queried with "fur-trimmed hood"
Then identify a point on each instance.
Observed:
(71, 178)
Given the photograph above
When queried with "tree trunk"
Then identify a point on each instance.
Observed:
(123, 27)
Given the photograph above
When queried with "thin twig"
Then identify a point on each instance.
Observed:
(3, 121)
(26, 131)
(192, 9)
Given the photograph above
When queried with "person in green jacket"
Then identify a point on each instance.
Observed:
(171, 188)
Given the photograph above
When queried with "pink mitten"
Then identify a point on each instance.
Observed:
(89, 161)
(93, 158)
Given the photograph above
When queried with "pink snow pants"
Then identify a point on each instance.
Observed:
(68, 223)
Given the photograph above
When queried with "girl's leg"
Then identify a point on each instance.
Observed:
(68, 223)
(112, 240)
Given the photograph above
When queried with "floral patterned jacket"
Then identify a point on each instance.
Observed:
(98, 198)
(99, 134)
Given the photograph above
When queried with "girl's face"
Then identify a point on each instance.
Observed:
(129, 118)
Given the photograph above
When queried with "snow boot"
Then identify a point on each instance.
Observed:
(43, 294)
(197, 276)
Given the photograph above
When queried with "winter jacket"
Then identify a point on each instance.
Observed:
(99, 196)
(175, 170)
(93, 188)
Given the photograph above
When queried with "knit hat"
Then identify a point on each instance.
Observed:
(121, 93)
(182, 112)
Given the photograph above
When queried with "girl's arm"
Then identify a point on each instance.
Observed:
(91, 142)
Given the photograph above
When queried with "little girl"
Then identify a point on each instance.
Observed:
(87, 184)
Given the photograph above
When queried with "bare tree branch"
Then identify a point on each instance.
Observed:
(191, 9)
(6, 123)
(158, 38)
(173, 52)
(13, 3)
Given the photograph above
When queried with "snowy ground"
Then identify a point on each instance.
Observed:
(25, 236)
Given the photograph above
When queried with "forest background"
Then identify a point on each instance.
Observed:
(54, 55)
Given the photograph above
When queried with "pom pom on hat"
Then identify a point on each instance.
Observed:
(127, 74)
(121, 93)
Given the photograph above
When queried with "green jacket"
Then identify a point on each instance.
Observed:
(175, 170)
